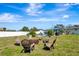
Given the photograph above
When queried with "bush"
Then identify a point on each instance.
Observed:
(49, 32)
(32, 33)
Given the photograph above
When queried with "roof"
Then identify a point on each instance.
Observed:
(40, 31)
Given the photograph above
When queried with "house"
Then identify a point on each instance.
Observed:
(58, 30)
(40, 33)
(73, 29)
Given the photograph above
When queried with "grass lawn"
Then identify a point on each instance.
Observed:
(66, 45)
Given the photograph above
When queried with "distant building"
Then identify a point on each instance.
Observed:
(1, 29)
(11, 30)
(73, 30)
(57, 30)
(40, 33)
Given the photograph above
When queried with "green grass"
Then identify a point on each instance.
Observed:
(66, 45)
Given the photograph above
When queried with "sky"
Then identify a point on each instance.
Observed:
(40, 15)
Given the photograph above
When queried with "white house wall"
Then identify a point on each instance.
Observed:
(8, 34)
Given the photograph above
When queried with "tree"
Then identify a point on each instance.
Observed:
(32, 33)
(49, 32)
(59, 28)
(34, 29)
(68, 29)
(25, 28)
(4, 29)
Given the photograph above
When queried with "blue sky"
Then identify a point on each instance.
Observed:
(40, 15)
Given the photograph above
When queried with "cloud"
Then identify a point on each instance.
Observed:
(75, 23)
(65, 16)
(61, 8)
(65, 6)
(13, 7)
(34, 9)
(46, 20)
(7, 17)
(70, 4)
